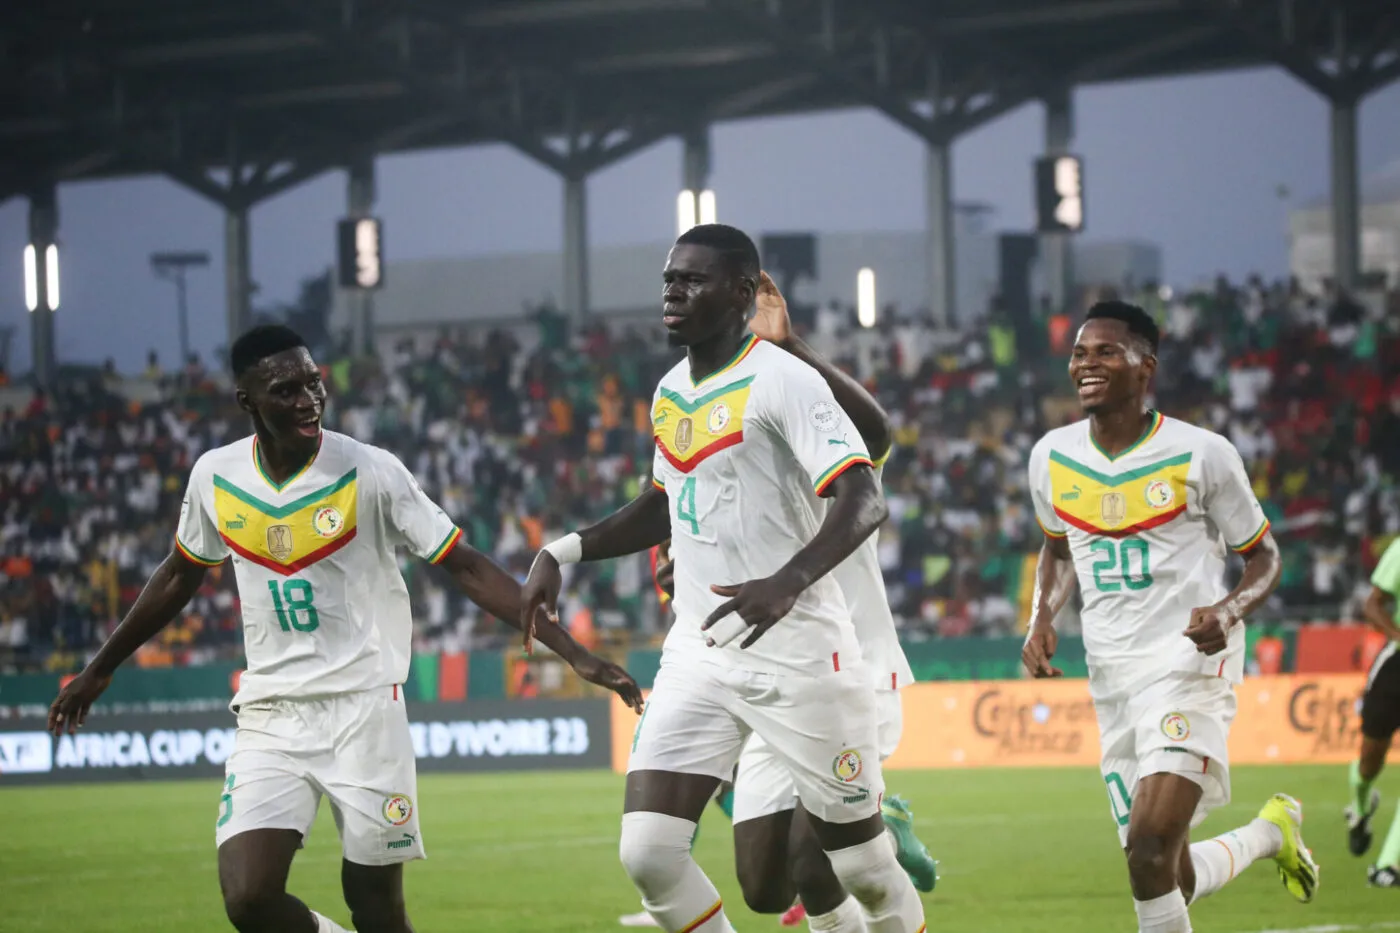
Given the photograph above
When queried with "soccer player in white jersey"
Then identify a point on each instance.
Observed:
(311, 520)
(748, 439)
(1141, 509)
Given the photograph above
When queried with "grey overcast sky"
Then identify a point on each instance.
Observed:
(1192, 164)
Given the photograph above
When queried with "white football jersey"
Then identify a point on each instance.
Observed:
(743, 458)
(325, 609)
(862, 583)
(1148, 531)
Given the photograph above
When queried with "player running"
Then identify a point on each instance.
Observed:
(1380, 717)
(748, 438)
(311, 519)
(1140, 509)
(775, 853)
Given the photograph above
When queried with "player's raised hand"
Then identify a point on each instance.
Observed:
(1039, 651)
(1210, 628)
(70, 708)
(770, 321)
(607, 674)
(540, 593)
(756, 605)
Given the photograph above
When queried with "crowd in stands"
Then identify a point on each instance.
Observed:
(523, 439)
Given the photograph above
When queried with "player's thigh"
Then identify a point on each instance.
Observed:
(1118, 763)
(253, 867)
(267, 780)
(889, 711)
(685, 743)
(373, 781)
(1380, 704)
(824, 729)
(374, 894)
(764, 801)
(1182, 728)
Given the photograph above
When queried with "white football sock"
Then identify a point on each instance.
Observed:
(1165, 914)
(1220, 860)
(869, 871)
(327, 925)
(846, 918)
(655, 850)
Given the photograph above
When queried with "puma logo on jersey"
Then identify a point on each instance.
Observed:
(1071, 495)
(837, 441)
(237, 522)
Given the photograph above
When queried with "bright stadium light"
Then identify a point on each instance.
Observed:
(707, 207)
(51, 268)
(31, 278)
(685, 211)
(865, 297)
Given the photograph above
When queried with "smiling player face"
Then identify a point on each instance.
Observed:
(286, 397)
(1110, 367)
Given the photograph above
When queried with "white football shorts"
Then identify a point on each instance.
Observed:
(355, 749)
(822, 729)
(1179, 724)
(763, 784)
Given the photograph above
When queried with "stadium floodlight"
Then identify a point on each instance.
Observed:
(51, 271)
(865, 297)
(1059, 189)
(685, 211)
(361, 253)
(707, 207)
(172, 267)
(31, 278)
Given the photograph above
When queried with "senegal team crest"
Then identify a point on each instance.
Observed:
(327, 522)
(1113, 508)
(1176, 727)
(398, 810)
(847, 766)
(1159, 494)
(719, 418)
(685, 433)
(279, 541)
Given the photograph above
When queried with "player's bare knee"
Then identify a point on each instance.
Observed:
(249, 909)
(374, 894)
(1151, 856)
(767, 892)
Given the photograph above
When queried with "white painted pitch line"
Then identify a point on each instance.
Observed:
(1336, 928)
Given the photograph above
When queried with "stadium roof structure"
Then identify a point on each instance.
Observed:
(240, 101)
(264, 94)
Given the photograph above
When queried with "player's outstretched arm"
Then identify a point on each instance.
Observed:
(1379, 613)
(1054, 582)
(856, 512)
(640, 524)
(490, 587)
(168, 591)
(1210, 625)
(771, 323)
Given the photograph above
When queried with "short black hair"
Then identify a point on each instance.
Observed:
(1140, 323)
(733, 244)
(259, 343)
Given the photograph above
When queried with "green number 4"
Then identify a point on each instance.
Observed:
(226, 803)
(685, 505)
(1121, 558)
(295, 597)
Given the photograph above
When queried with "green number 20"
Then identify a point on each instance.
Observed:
(295, 597)
(685, 505)
(1119, 558)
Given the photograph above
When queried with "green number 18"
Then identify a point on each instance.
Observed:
(295, 597)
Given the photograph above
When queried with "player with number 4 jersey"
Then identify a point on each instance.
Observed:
(1141, 511)
(311, 520)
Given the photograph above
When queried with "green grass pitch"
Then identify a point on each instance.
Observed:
(1021, 850)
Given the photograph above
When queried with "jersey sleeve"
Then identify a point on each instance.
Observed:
(1038, 477)
(197, 535)
(1228, 497)
(658, 462)
(419, 522)
(1386, 576)
(797, 404)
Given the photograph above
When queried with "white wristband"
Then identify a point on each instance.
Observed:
(566, 550)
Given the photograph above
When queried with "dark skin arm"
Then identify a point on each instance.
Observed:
(858, 508)
(1054, 583)
(496, 591)
(167, 592)
(771, 322)
(1379, 613)
(640, 524)
(1210, 625)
